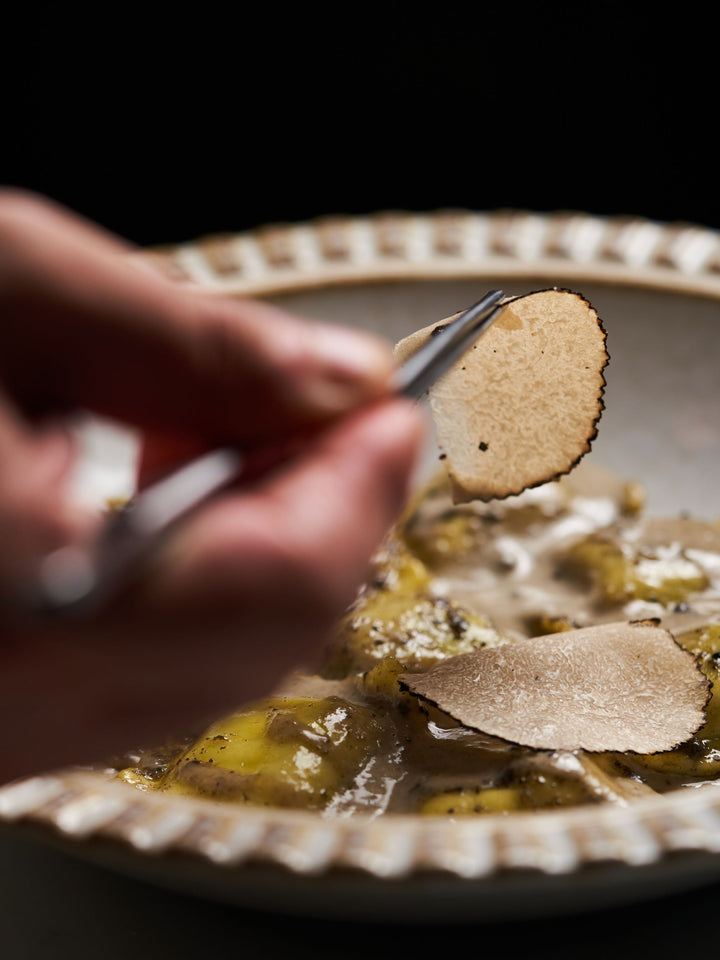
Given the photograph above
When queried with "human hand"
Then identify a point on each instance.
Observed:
(251, 584)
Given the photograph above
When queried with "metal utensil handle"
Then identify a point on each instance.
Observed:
(75, 580)
(420, 371)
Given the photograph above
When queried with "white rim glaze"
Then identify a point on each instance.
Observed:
(450, 244)
(82, 804)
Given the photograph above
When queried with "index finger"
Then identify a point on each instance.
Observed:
(86, 326)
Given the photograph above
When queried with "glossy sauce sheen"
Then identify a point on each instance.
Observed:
(450, 580)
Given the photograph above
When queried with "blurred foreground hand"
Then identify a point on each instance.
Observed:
(251, 585)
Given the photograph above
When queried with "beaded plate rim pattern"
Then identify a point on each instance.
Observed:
(448, 244)
(80, 805)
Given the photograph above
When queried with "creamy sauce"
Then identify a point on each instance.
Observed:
(452, 579)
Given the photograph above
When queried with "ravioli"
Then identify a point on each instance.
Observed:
(463, 580)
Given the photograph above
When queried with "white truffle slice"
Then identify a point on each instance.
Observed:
(521, 407)
(618, 686)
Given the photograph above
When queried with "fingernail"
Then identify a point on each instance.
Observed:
(352, 367)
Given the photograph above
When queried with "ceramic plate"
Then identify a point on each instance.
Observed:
(657, 288)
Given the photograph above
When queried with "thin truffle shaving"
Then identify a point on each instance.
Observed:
(522, 406)
(615, 687)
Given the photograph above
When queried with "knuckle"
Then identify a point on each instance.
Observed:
(21, 217)
(253, 335)
(20, 210)
(220, 346)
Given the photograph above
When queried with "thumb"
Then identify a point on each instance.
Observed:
(305, 534)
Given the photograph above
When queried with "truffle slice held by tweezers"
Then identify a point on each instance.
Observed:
(521, 407)
(616, 687)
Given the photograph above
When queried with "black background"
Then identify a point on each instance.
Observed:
(165, 122)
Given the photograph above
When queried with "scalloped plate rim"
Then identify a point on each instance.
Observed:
(650, 268)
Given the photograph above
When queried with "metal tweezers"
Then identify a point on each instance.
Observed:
(76, 581)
